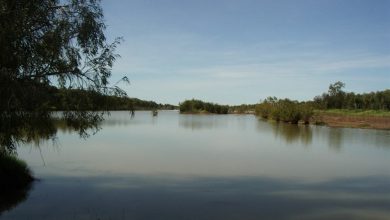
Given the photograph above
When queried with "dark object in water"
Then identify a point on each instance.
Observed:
(154, 112)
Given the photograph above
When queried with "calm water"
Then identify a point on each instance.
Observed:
(208, 167)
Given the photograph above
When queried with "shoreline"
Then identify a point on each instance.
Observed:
(339, 120)
(335, 119)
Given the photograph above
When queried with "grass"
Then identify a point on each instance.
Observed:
(347, 112)
(14, 173)
(372, 119)
(15, 181)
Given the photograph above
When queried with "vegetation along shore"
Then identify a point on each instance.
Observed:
(335, 108)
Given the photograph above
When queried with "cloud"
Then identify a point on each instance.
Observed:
(196, 56)
(172, 67)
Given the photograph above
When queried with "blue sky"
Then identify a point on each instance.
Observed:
(242, 51)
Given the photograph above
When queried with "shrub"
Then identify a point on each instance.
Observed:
(284, 110)
(197, 106)
(14, 172)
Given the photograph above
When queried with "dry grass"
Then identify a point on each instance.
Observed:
(354, 119)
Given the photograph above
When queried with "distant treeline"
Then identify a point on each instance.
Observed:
(198, 106)
(336, 98)
(71, 99)
(293, 111)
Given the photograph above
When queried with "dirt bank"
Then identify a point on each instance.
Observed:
(352, 121)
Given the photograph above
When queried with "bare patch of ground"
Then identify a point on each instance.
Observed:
(352, 121)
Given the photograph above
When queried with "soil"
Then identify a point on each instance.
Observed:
(336, 120)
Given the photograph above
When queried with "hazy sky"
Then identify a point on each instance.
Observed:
(241, 51)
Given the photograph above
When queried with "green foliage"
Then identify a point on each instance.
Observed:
(284, 110)
(336, 88)
(266, 108)
(289, 111)
(198, 106)
(76, 99)
(336, 98)
(293, 111)
(306, 112)
(242, 109)
(336, 95)
(56, 42)
(82, 111)
(46, 44)
(24, 127)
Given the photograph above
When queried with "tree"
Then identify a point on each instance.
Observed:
(336, 95)
(197, 106)
(336, 88)
(46, 43)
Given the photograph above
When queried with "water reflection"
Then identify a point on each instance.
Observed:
(334, 137)
(293, 133)
(124, 118)
(10, 198)
(209, 167)
(167, 197)
(199, 122)
(33, 128)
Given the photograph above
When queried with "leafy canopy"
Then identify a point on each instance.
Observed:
(51, 42)
(46, 43)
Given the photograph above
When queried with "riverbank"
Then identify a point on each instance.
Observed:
(14, 173)
(353, 119)
(198, 113)
(16, 181)
(337, 118)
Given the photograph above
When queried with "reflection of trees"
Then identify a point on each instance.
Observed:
(9, 198)
(37, 127)
(125, 118)
(46, 44)
(335, 139)
(23, 127)
(198, 122)
(33, 127)
(382, 138)
(293, 133)
(304, 133)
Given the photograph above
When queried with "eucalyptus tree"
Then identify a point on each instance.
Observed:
(46, 43)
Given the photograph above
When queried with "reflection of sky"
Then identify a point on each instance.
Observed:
(213, 166)
(212, 145)
(140, 197)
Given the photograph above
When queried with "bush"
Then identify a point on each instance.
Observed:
(14, 172)
(307, 112)
(284, 110)
(288, 111)
(198, 106)
(266, 108)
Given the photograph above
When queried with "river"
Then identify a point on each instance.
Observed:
(176, 166)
